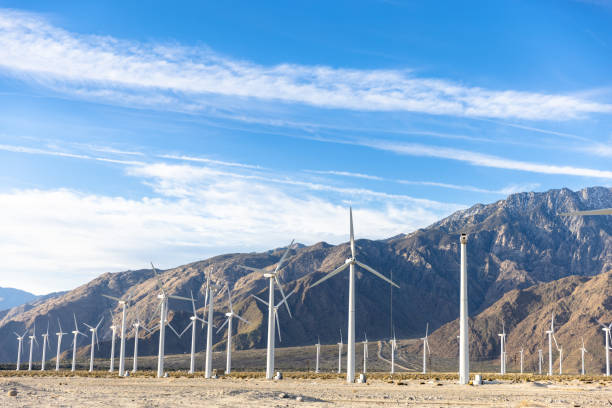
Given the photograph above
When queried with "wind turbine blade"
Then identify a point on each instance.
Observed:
(427, 330)
(76, 326)
(90, 327)
(331, 274)
(48, 327)
(261, 300)
(280, 263)
(186, 328)
(179, 298)
(99, 323)
(244, 320)
(172, 328)
(95, 334)
(352, 234)
(282, 294)
(59, 324)
(159, 282)
(604, 211)
(285, 299)
(229, 298)
(555, 339)
(112, 297)
(193, 304)
(278, 326)
(249, 268)
(380, 275)
(223, 325)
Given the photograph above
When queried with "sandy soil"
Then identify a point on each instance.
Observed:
(197, 392)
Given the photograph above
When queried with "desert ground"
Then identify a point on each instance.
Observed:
(296, 390)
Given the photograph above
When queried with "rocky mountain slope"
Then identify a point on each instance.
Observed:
(10, 297)
(513, 244)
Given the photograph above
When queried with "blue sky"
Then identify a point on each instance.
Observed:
(174, 132)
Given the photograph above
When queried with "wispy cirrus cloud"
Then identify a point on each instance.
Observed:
(162, 75)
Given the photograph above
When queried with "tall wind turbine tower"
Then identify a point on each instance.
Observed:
(318, 346)
(59, 335)
(124, 304)
(606, 330)
(113, 328)
(94, 336)
(365, 353)
(76, 333)
(340, 354)
(19, 347)
(137, 327)
(32, 341)
(522, 352)
(502, 357)
(192, 324)
(426, 349)
(550, 336)
(582, 351)
(163, 321)
(209, 303)
(350, 263)
(540, 360)
(230, 315)
(393, 344)
(464, 347)
(45, 337)
(273, 278)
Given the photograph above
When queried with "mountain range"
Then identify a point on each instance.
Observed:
(524, 262)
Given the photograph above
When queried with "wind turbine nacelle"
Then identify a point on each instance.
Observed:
(229, 314)
(192, 318)
(348, 260)
(268, 275)
(161, 296)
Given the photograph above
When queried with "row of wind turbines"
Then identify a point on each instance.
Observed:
(273, 320)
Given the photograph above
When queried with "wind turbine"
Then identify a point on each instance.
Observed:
(350, 263)
(137, 327)
(19, 347)
(192, 324)
(272, 279)
(559, 349)
(426, 349)
(76, 333)
(59, 335)
(113, 328)
(163, 321)
(124, 304)
(32, 340)
(393, 348)
(606, 330)
(540, 360)
(230, 315)
(582, 351)
(550, 333)
(340, 354)
(365, 353)
(94, 336)
(45, 337)
(464, 341)
(522, 351)
(209, 302)
(275, 318)
(502, 358)
(318, 346)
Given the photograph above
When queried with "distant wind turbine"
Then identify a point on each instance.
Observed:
(124, 304)
(94, 336)
(272, 279)
(502, 357)
(521, 352)
(426, 349)
(45, 337)
(393, 344)
(318, 347)
(192, 324)
(606, 330)
(550, 333)
(230, 315)
(209, 302)
(19, 347)
(365, 353)
(32, 341)
(350, 263)
(163, 321)
(59, 335)
(582, 351)
(464, 340)
(137, 325)
(76, 333)
(340, 354)
(540, 360)
(113, 328)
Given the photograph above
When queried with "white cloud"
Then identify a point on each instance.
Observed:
(164, 76)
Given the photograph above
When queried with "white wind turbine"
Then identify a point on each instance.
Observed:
(192, 324)
(275, 319)
(272, 279)
(426, 349)
(230, 315)
(559, 349)
(606, 330)
(522, 352)
(59, 335)
(19, 347)
(393, 344)
(318, 347)
(464, 336)
(113, 328)
(550, 333)
(32, 341)
(124, 304)
(365, 353)
(45, 337)
(502, 357)
(582, 351)
(137, 327)
(76, 333)
(350, 263)
(340, 354)
(209, 302)
(540, 360)
(94, 336)
(163, 321)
